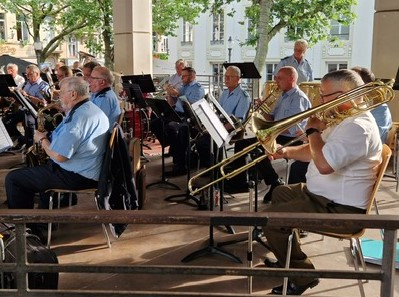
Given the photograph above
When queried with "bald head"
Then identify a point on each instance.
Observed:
(286, 78)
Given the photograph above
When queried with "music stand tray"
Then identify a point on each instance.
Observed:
(144, 81)
(248, 69)
(8, 79)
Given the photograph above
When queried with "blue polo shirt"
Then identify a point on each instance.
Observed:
(108, 102)
(193, 92)
(304, 69)
(82, 138)
(291, 103)
(236, 102)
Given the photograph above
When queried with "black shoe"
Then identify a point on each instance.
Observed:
(293, 289)
(269, 263)
(268, 197)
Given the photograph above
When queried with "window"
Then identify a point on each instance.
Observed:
(22, 29)
(269, 71)
(72, 46)
(187, 33)
(339, 30)
(336, 66)
(2, 26)
(217, 29)
(217, 78)
(250, 30)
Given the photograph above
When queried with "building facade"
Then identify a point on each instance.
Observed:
(216, 39)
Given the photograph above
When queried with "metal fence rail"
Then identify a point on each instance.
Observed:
(385, 275)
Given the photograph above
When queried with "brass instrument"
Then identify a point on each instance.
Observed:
(312, 90)
(35, 155)
(373, 94)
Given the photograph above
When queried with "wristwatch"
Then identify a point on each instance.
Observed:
(310, 131)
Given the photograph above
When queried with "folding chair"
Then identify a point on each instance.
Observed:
(354, 238)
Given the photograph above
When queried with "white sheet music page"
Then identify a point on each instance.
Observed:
(5, 139)
(211, 122)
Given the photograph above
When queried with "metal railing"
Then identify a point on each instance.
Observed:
(385, 274)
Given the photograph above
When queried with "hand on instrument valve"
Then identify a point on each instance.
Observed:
(279, 154)
(39, 136)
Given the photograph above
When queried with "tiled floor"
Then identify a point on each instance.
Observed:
(169, 244)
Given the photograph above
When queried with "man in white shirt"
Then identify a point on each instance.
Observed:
(340, 176)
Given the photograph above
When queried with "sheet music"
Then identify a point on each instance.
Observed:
(220, 109)
(211, 122)
(5, 139)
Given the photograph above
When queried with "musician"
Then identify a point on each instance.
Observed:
(340, 176)
(13, 70)
(36, 90)
(75, 149)
(88, 68)
(298, 61)
(235, 101)
(381, 113)
(292, 101)
(175, 82)
(63, 71)
(102, 95)
(174, 133)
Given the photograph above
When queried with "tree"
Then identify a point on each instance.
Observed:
(56, 19)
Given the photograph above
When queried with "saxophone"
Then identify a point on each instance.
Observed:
(46, 121)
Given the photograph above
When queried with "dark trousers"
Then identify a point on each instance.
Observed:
(297, 198)
(22, 184)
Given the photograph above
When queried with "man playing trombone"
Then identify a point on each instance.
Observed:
(343, 156)
(291, 102)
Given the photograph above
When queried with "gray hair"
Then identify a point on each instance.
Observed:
(33, 68)
(12, 65)
(105, 73)
(302, 43)
(347, 77)
(235, 69)
(77, 84)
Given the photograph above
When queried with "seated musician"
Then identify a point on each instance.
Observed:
(340, 176)
(62, 72)
(235, 101)
(37, 91)
(75, 149)
(175, 134)
(175, 82)
(102, 95)
(291, 102)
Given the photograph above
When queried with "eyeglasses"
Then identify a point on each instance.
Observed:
(327, 95)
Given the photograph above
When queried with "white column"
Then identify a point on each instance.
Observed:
(132, 36)
(385, 52)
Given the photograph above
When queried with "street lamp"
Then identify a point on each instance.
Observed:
(38, 46)
(229, 47)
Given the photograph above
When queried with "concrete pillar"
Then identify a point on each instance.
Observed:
(132, 36)
(385, 52)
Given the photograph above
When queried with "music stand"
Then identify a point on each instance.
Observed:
(165, 112)
(193, 121)
(220, 136)
(135, 96)
(143, 80)
(8, 79)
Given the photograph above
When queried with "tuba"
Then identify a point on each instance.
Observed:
(48, 118)
(374, 94)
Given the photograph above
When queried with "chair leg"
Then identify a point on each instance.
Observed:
(288, 259)
(50, 224)
(105, 231)
(357, 256)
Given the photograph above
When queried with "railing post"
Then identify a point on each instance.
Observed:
(388, 263)
(21, 259)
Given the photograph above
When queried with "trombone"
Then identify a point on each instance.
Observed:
(373, 94)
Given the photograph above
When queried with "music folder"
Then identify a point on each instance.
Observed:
(162, 109)
(8, 79)
(143, 80)
(134, 94)
(212, 123)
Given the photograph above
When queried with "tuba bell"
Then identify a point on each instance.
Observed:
(374, 94)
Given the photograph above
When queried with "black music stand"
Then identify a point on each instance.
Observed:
(143, 80)
(219, 136)
(136, 97)
(165, 112)
(192, 121)
(8, 80)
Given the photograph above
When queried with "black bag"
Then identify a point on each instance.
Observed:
(36, 253)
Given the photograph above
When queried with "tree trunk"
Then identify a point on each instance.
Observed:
(263, 41)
